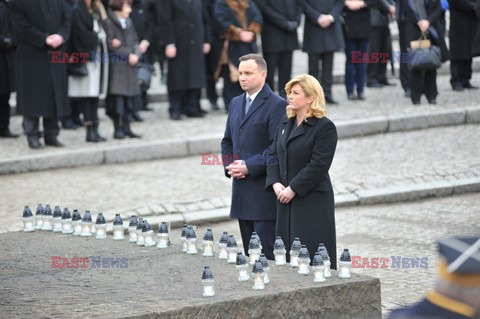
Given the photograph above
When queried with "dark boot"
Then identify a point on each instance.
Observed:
(118, 130)
(91, 137)
(53, 141)
(126, 128)
(34, 142)
(95, 131)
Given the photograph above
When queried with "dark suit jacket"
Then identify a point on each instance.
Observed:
(305, 154)
(249, 137)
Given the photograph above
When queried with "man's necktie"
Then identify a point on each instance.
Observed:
(247, 105)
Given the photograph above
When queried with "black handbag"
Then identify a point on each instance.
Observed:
(77, 69)
(144, 75)
(424, 56)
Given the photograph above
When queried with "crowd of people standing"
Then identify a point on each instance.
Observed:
(197, 42)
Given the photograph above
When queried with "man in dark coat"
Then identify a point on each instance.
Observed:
(476, 41)
(186, 35)
(7, 62)
(380, 42)
(463, 27)
(42, 27)
(321, 38)
(279, 38)
(251, 125)
(401, 15)
(456, 294)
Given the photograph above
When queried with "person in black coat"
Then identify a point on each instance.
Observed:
(213, 57)
(321, 38)
(356, 30)
(7, 62)
(251, 125)
(239, 22)
(476, 41)
(423, 18)
(186, 36)
(401, 15)
(41, 28)
(301, 154)
(122, 80)
(463, 27)
(279, 38)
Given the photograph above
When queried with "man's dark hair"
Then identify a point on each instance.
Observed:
(259, 60)
(117, 5)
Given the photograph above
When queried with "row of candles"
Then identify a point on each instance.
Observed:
(141, 233)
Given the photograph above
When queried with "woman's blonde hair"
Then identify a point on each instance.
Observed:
(310, 87)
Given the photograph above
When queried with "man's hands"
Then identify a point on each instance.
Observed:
(324, 21)
(247, 36)
(237, 169)
(423, 25)
(284, 194)
(54, 40)
(171, 51)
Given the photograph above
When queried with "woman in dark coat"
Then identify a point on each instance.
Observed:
(356, 30)
(122, 84)
(304, 145)
(239, 21)
(425, 14)
(89, 36)
(476, 42)
(7, 62)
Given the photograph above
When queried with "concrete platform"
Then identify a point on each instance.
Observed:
(155, 283)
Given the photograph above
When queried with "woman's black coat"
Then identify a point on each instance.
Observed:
(7, 52)
(304, 158)
(476, 41)
(463, 27)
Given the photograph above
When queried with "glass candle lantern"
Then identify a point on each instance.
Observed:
(208, 282)
(77, 223)
(208, 243)
(140, 238)
(266, 269)
(303, 261)
(318, 268)
(191, 241)
(47, 218)
(326, 262)
(132, 229)
(148, 234)
(258, 276)
(242, 267)
(39, 217)
(66, 222)
(345, 265)
(222, 246)
(183, 237)
(57, 220)
(232, 249)
(87, 224)
(28, 220)
(163, 238)
(101, 227)
(255, 234)
(294, 252)
(280, 252)
(254, 250)
(118, 230)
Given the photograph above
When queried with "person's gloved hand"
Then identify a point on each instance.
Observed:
(292, 25)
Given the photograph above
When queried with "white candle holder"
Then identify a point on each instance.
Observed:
(39, 217)
(47, 218)
(266, 269)
(232, 249)
(318, 268)
(183, 237)
(304, 261)
(294, 252)
(222, 246)
(258, 276)
(163, 237)
(280, 252)
(208, 282)
(254, 250)
(101, 227)
(118, 230)
(77, 223)
(345, 265)
(148, 234)
(66, 222)
(28, 220)
(208, 243)
(140, 238)
(87, 224)
(191, 241)
(242, 267)
(132, 229)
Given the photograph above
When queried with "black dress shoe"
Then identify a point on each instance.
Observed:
(136, 117)
(330, 100)
(194, 114)
(432, 101)
(34, 143)
(130, 134)
(351, 96)
(69, 125)
(8, 134)
(408, 93)
(214, 106)
(175, 117)
(457, 87)
(361, 96)
(53, 141)
(415, 101)
(376, 85)
(470, 86)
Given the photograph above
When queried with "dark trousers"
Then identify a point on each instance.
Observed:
(326, 80)
(183, 101)
(89, 107)
(379, 43)
(4, 112)
(460, 71)
(210, 77)
(265, 230)
(281, 61)
(230, 89)
(31, 127)
(355, 72)
(404, 45)
(423, 82)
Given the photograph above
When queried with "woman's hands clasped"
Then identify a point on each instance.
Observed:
(284, 194)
